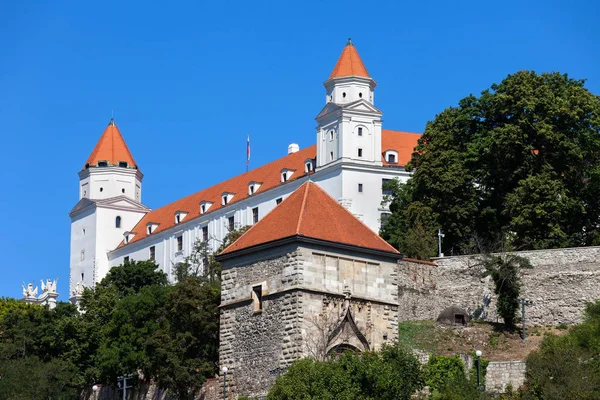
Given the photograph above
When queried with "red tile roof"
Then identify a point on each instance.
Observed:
(402, 142)
(270, 177)
(111, 148)
(310, 212)
(349, 64)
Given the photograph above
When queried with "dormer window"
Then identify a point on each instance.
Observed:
(123, 164)
(286, 174)
(179, 216)
(253, 187)
(391, 156)
(204, 206)
(151, 227)
(128, 236)
(226, 198)
(309, 166)
(103, 163)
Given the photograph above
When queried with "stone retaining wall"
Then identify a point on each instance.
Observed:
(560, 284)
(501, 374)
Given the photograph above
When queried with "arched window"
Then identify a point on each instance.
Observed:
(118, 222)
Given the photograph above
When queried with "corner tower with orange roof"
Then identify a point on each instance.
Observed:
(349, 126)
(309, 279)
(110, 194)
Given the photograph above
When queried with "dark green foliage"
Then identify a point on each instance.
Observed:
(391, 374)
(442, 370)
(504, 271)
(568, 366)
(520, 163)
(411, 226)
(185, 349)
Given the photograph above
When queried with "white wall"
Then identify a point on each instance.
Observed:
(86, 242)
(107, 182)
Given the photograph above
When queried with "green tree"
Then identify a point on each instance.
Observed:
(521, 161)
(567, 367)
(504, 270)
(184, 351)
(411, 226)
(392, 373)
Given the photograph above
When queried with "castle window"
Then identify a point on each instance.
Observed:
(360, 152)
(331, 134)
(331, 156)
(82, 255)
(204, 206)
(102, 163)
(82, 276)
(360, 95)
(126, 238)
(257, 298)
(149, 229)
(360, 188)
(226, 198)
(284, 177)
(391, 156)
(118, 222)
(179, 243)
(231, 223)
(251, 189)
(385, 191)
(177, 218)
(101, 189)
(122, 164)
(344, 95)
(83, 231)
(279, 200)
(308, 166)
(152, 253)
(126, 259)
(205, 233)
(122, 190)
(383, 219)
(360, 131)
(255, 215)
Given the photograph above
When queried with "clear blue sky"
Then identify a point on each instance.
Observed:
(188, 81)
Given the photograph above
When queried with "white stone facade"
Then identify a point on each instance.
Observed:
(348, 167)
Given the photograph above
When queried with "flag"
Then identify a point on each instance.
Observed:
(248, 150)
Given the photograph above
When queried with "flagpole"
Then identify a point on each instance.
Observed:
(247, 152)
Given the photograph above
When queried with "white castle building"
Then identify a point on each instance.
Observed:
(351, 159)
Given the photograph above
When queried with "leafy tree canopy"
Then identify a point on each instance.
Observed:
(520, 163)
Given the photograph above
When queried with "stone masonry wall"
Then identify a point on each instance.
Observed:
(560, 284)
(257, 345)
(501, 374)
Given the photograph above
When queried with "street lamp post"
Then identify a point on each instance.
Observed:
(224, 383)
(524, 302)
(478, 354)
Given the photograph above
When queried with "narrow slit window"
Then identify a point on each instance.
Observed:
(257, 298)
(118, 222)
(179, 243)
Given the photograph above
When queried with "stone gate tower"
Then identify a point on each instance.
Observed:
(309, 279)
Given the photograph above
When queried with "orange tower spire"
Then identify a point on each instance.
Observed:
(349, 63)
(111, 149)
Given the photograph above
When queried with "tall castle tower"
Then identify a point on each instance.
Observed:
(110, 195)
(349, 126)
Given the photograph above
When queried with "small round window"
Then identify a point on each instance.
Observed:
(344, 95)
(360, 95)
(122, 190)
(101, 189)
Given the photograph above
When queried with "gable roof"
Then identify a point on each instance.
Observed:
(349, 63)
(310, 212)
(270, 177)
(111, 148)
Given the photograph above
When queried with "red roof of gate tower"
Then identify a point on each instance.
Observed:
(312, 213)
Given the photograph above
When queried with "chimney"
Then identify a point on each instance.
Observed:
(292, 148)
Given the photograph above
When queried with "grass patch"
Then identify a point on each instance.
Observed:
(417, 335)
